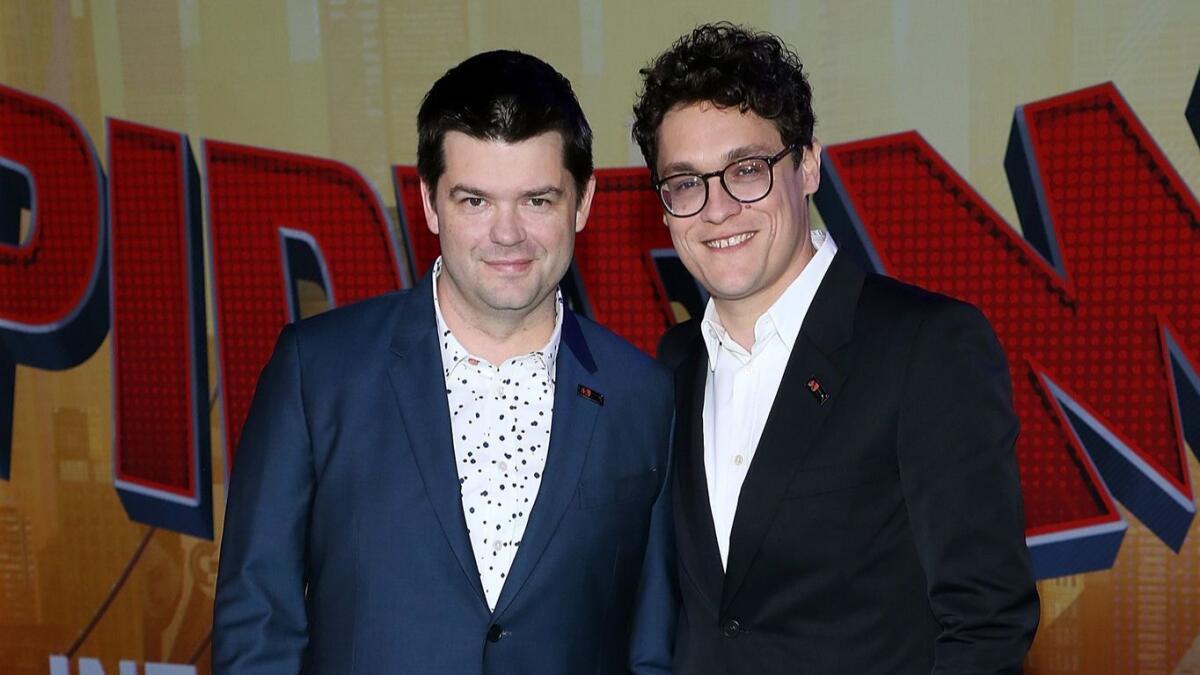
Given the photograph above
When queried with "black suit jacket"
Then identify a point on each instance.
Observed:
(879, 531)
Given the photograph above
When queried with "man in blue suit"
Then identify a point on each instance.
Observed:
(464, 477)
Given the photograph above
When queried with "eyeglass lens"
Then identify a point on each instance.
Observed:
(747, 180)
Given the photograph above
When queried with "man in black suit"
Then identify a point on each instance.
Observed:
(847, 497)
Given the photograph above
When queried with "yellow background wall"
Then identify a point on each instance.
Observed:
(343, 79)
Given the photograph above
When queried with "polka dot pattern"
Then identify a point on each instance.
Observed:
(500, 416)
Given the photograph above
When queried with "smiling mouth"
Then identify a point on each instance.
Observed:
(729, 242)
(508, 265)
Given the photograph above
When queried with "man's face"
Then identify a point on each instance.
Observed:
(506, 215)
(738, 252)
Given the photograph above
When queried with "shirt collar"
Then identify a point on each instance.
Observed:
(454, 353)
(785, 316)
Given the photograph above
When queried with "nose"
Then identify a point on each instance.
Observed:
(720, 206)
(507, 229)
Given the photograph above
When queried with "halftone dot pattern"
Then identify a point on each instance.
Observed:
(612, 254)
(151, 294)
(1133, 234)
(252, 192)
(933, 231)
(419, 241)
(43, 281)
(613, 257)
(1128, 232)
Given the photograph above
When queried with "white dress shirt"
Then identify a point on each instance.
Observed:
(500, 417)
(741, 386)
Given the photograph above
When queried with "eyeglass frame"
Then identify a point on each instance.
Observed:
(704, 178)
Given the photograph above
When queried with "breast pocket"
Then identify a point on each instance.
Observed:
(837, 477)
(634, 488)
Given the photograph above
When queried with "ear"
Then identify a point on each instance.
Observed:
(585, 204)
(810, 168)
(429, 203)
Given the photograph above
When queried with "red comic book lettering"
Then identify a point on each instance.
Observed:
(274, 217)
(161, 443)
(53, 278)
(1097, 307)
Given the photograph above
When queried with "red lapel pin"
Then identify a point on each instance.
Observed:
(591, 395)
(818, 392)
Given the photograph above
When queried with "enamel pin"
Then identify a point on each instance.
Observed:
(818, 392)
(591, 395)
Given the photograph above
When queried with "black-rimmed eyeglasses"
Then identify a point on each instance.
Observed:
(747, 180)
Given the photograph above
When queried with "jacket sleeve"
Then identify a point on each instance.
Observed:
(653, 634)
(957, 434)
(259, 619)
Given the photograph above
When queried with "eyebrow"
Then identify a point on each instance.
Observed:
(741, 152)
(544, 191)
(540, 191)
(755, 150)
(459, 188)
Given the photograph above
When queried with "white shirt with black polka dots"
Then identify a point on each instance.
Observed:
(500, 417)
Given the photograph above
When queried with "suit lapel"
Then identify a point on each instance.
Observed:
(697, 535)
(796, 416)
(570, 438)
(420, 390)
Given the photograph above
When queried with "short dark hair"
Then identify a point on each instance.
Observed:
(728, 66)
(503, 96)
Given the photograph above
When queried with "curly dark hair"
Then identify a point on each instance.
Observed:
(505, 96)
(728, 66)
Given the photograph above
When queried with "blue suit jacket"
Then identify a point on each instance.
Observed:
(345, 549)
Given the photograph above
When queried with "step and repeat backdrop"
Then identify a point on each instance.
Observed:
(179, 179)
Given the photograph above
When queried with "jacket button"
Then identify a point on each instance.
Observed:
(495, 632)
(731, 628)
